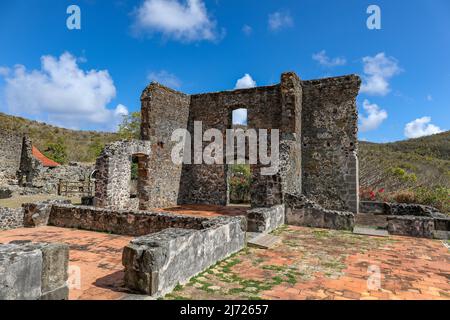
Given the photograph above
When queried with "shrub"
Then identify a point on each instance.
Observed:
(239, 183)
(402, 175)
(438, 197)
(368, 194)
(405, 196)
(57, 151)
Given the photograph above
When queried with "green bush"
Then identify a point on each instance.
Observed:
(239, 183)
(403, 175)
(438, 197)
(57, 151)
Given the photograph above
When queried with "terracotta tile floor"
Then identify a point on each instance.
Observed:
(97, 255)
(207, 210)
(323, 264)
(308, 264)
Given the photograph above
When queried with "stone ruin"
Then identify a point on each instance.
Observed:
(316, 186)
(25, 170)
(317, 121)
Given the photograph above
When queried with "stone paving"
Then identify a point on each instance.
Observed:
(96, 257)
(335, 265)
(203, 210)
(308, 264)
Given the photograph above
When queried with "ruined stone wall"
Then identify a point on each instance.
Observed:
(10, 150)
(113, 177)
(203, 183)
(329, 142)
(125, 222)
(163, 111)
(11, 218)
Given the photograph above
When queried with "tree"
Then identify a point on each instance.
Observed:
(95, 148)
(57, 151)
(130, 128)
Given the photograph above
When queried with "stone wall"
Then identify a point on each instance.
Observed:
(11, 218)
(420, 227)
(10, 150)
(113, 176)
(155, 264)
(301, 211)
(215, 110)
(265, 219)
(131, 223)
(329, 142)
(34, 271)
(163, 111)
(399, 209)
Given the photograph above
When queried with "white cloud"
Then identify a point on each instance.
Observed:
(180, 20)
(165, 78)
(4, 71)
(378, 71)
(429, 97)
(279, 20)
(374, 117)
(420, 128)
(247, 30)
(240, 117)
(63, 94)
(245, 82)
(322, 58)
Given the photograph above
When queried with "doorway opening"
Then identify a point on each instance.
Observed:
(239, 174)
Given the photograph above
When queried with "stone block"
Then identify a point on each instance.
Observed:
(33, 271)
(265, 219)
(412, 226)
(156, 263)
(20, 272)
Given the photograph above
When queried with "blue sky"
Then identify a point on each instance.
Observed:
(87, 78)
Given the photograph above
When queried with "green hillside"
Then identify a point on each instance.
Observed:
(415, 170)
(80, 146)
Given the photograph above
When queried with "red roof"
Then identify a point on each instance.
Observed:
(46, 162)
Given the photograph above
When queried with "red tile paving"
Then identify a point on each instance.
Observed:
(207, 210)
(322, 264)
(97, 255)
(308, 264)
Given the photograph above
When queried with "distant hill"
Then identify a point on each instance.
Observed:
(81, 146)
(423, 162)
(415, 170)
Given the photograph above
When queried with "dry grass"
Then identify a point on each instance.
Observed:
(16, 202)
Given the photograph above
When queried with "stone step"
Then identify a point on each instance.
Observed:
(361, 230)
(263, 241)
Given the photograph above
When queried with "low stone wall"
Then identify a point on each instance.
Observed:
(420, 227)
(131, 223)
(265, 219)
(38, 214)
(397, 209)
(11, 218)
(301, 211)
(155, 264)
(372, 207)
(34, 271)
